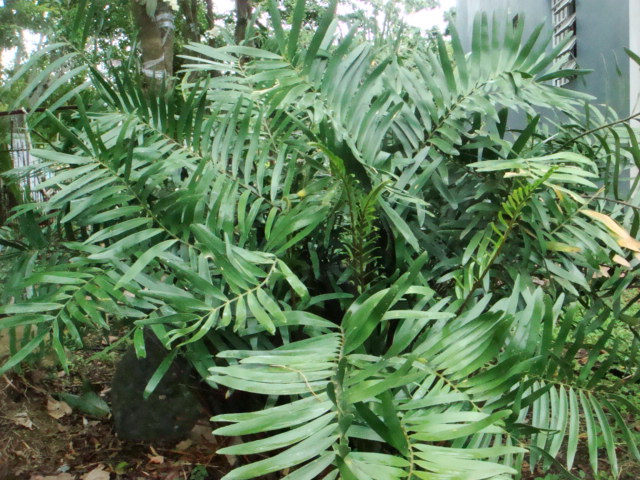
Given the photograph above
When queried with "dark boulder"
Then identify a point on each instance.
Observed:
(171, 410)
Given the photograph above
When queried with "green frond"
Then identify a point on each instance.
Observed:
(365, 241)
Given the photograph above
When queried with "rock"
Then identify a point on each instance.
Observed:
(171, 410)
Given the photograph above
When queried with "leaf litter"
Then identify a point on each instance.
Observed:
(43, 437)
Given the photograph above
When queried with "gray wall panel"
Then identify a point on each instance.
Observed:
(533, 12)
(602, 33)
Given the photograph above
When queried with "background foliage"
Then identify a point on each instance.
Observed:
(363, 239)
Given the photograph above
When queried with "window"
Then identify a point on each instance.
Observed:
(564, 26)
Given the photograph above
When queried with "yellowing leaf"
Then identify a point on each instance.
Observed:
(607, 221)
(624, 238)
(562, 247)
(558, 194)
(630, 243)
(621, 260)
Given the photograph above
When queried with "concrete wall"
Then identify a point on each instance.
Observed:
(603, 30)
(634, 45)
(533, 12)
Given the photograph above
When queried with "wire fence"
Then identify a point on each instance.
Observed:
(7, 200)
(26, 171)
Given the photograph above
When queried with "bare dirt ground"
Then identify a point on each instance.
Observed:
(44, 438)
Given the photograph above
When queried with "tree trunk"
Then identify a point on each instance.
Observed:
(243, 13)
(156, 33)
(210, 15)
(190, 9)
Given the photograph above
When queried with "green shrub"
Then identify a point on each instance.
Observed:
(366, 242)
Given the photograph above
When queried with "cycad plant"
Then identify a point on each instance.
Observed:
(364, 242)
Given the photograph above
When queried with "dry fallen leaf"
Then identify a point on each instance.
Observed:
(109, 340)
(97, 473)
(23, 420)
(184, 445)
(62, 476)
(157, 459)
(202, 435)
(57, 409)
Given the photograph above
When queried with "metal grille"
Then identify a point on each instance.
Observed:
(7, 202)
(564, 26)
(20, 154)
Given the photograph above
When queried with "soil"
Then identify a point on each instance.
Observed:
(43, 438)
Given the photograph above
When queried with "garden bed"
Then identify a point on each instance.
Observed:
(43, 438)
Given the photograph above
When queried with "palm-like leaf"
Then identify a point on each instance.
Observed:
(278, 213)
